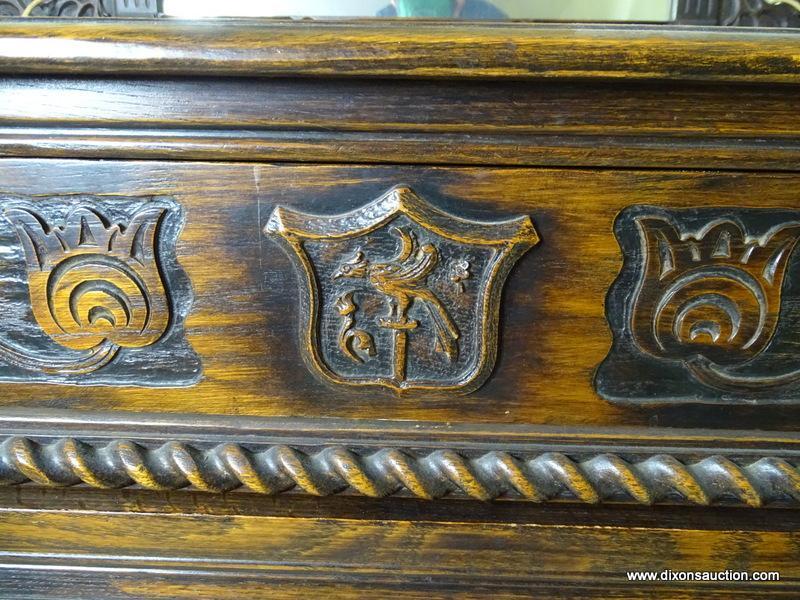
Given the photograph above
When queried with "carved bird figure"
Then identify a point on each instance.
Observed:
(404, 280)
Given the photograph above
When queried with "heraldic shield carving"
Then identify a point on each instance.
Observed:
(400, 294)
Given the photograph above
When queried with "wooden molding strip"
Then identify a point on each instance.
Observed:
(416, 148)
(392, 49)
(329, 469)
(118, 555)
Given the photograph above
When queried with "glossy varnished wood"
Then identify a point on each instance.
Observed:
(378, 459)
(480, 107)
(260, 480)
(176, 556)
(630, 123)
(554, 332)
(507, 94)
(390, 48)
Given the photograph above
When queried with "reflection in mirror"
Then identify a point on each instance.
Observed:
(654, 11)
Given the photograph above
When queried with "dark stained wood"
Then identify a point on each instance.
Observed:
(261, 480)
(553, 335)
(713, 298)
(391, 49)
(344, 507)
(554, 122)
(558, 107)
(186, 556)
(432, 462)
(439, 275)
(777, 154)
(101, 280)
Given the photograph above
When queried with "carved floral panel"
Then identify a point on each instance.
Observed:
(92, 292)
(399, 293)
(57, 8)
(705, 307)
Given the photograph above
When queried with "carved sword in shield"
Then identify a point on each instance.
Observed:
(400, 294)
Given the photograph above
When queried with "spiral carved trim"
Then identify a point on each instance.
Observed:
(389, 471)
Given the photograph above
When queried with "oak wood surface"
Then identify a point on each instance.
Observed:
(390, 48)
(379, 459)
(324, 117)
(555, 122)
(349, 507)
(118, 555)
(769, 154)
(554, 332)
(745, 111)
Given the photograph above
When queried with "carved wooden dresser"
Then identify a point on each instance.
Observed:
(371, 310)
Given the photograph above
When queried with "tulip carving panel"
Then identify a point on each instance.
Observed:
(93, 293)
(57, 8)
(705, 307)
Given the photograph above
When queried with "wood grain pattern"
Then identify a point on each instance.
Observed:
(553, 333)
(444, 473)
(86, 281)
(683, 152)
(403, 120)
(258, 105)
(390, 48)
(439, 276)
(191, 556)
(125, 492)
(708, 291)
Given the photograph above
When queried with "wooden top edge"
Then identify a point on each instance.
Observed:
(374, 48)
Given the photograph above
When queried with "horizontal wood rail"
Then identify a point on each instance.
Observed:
(370, 48)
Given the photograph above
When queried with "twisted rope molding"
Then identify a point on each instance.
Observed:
(279, 468)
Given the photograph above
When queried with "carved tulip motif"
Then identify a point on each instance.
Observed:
(95, 286)
(713, 298)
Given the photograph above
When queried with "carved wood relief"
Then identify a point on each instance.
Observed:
(644, 478)
(82, 8)
(93, 293)
(400, 294)
(668, 216)
(739, 13)
(704, 308)
(57, 8)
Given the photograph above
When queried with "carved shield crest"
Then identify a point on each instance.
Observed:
(399, 293)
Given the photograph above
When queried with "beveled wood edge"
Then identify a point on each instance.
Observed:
(379, 459)
(638, 151)
(376, 48)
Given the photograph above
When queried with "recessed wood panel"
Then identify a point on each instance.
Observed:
(245, 320)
